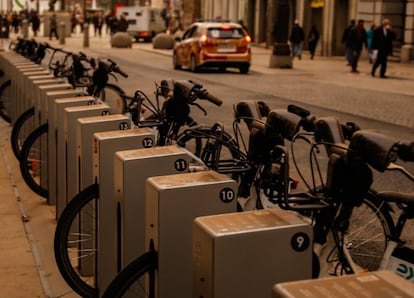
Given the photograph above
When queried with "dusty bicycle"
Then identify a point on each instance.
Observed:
(271, 187)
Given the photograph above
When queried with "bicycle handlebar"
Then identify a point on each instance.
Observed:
(111, 67)
(118, 70)
(203, 94)
(310, 122)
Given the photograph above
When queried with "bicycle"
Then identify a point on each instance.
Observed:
(74, 68)
(396, 256)
(259, 188)
(24, 124)
(167, 117)
(30, 161)
(272, 183)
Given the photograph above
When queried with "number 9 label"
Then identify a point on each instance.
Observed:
(300, 241)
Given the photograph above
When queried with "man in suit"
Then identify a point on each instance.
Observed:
(382, 42)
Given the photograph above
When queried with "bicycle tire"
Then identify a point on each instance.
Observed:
(129, 276)
(5, 93)
(33, 161)
(67, 242)
(228, 155)
(113, 96)
(23, 126)
(370, 225)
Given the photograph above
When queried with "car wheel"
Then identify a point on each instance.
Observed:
(175, 62)
(193, 64)
(244, 69)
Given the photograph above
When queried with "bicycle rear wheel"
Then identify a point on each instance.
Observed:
(113, 96)
(75, 242)
(33, 161)
(128, 283)
(5, 101)
(369, 226)
(23, 126)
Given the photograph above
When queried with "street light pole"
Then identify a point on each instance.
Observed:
(85, 27)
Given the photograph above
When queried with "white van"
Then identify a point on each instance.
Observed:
(144, 22)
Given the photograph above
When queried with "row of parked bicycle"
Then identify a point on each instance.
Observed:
(353, 226)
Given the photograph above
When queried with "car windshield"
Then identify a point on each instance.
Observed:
(225, 33)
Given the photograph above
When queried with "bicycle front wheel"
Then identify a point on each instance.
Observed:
(128, 283)
(369, 226)
(75, 242)
(23, 126)
(114, 97)
(33, 161)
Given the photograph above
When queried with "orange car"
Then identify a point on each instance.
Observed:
(213, 44)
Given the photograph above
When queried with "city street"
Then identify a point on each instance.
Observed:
(324, 85)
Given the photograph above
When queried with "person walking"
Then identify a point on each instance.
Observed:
(345, 38)
(297, 36)
(382, 42)
(122, 23)
(370, 36)
(35, 20)
(313, 38)
(357, 38)
(98, 21)
(53, 27)
(112, 23)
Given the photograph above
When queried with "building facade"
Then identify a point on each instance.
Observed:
(264, 18)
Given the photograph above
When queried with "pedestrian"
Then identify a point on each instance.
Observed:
(370, 35)
(313, 38)
(357, 38)
(98, 21)
(297, 36)
(122, 23)
(382, 42)
(15, 22)
(35, 20)
(112, 23)
(345, 37)
(53, 27)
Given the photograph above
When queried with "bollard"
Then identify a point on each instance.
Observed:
(25, 28)
(86, 35)
(62, 29)
(281, 56)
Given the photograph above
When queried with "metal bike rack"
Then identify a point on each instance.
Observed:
(105, 145)
(48, 101)
(172, 204)
(131, 170)
(369, 284)
(57, 129)
(17, 82)
(40, 94)
(70, 119)
(86, 128)
(52, 142)
(24, 97)
(267, 246)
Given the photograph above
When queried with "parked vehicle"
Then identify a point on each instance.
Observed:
(213, 44)
(144, 22)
